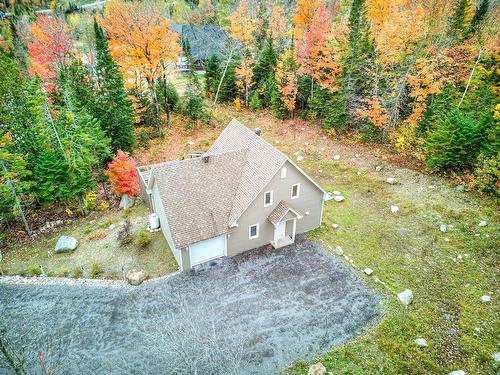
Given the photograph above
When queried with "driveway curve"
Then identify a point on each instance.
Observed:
(251, 314)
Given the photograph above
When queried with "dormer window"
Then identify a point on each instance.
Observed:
(283, 172)
(268, 198)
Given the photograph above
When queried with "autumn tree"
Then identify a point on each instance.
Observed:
(286, 79)
(50, 48)
(143, 45)
(122, 172)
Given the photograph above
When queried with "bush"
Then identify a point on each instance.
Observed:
(488, 175)
(125, 233)
(95, 270)
(34, 270)
(62, 272)
(78, 272)
(143, 238)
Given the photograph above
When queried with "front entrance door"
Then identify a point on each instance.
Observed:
(280, 230)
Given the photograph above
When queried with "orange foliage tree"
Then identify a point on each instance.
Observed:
(122, 172)
(286, 79)
(142, 44)
(49, 49)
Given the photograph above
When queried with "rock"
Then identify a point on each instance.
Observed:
(336, 192)
(336, 157)
(126, 202)
(306, 144)
(322, 149)
(135, 277)
(112, 226)
(368, 271)
(420, 342)
(335, 226)
(486, 298)
(320, 171)
(392, 180)
(65, 243)
(300, 158)
(277, 142)
(394, 209)
(317, 369)
(406, 297)
(378, 168)
(339, 198)
(459, 257)
(443, 228)
(496, 357)
(459, 188)
(457, 372)
(190, 143)
(338, 250)
(432, 187)
(483, 223)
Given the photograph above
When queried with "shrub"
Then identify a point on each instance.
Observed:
(95, 270)
(143, 238)
(62, 272)
(122, 173)
(34, 270)
(78, 272)
(125, 233)
(488, 175)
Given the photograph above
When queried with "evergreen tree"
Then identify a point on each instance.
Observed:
(255, 103)
(112, 107)
(212, 76)
(228, 89)
(491, 127)
(359, 62)
(193, 101)
(458, 26)
(265, 65)
(479, 15)
(336, 116)
(168, 97)
(454, 144)
(439, 107)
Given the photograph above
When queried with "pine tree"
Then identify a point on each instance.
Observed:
(455, 143)
(193, 101)
(255, 103)
(358, 63)
(265, 65)
(112, 107)
(439, 107)
(458, 26)
(168, 97)
(479, 15)
(212, 76)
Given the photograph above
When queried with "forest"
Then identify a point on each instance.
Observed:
(77, 86)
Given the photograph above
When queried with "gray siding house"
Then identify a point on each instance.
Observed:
(241, 194)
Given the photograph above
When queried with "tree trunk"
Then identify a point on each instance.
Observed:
(154, 100)
(220, 84)
(17, 203)
(470, 78)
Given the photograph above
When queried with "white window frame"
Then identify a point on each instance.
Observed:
(271, 200)
(250, 237)
(298, 191)
(283, 172)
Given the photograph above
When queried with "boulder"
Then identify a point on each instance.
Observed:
(336, 192)
(483, 223)
(496, 357)
(457, 372)
(420, 342)
(126, 201)
(65, 243)
(317, 369)
(112, 226)
(335, 226)
(406, 297)
(368, 271)
(392, 180)
(339, 198)
(378, 168)
(135, 277)
(338, 250)
(394, 209)
(486, 298)
(443, 228)
(300, 158)
(336, 157)
(459, 188)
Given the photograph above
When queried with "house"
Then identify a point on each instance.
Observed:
(241, 194)
(203, 40)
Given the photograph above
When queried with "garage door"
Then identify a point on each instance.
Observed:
(204, 251)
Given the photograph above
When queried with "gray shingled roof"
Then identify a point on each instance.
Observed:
(263, 162)
(198, 196)
(204, 40)
(279, 212)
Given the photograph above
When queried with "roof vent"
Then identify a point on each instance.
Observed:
(205, 158)
(258, 131)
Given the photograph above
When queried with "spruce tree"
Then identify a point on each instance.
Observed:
(479, 15)
(112, 107)
(212, 76)
(458, 26)
(255, 103)
(265, 65)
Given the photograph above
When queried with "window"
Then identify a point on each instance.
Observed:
(253, 231)
(268, 198)
(283, 172)
(295, 191)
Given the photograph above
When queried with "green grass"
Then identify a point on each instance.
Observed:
(407, 250)
(94, 257)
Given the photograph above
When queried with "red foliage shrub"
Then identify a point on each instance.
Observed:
(122, 172)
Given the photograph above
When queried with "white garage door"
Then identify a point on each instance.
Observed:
(204, 251)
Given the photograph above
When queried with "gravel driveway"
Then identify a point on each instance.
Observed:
(254, 313)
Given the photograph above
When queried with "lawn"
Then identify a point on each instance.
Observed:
(99, 254)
